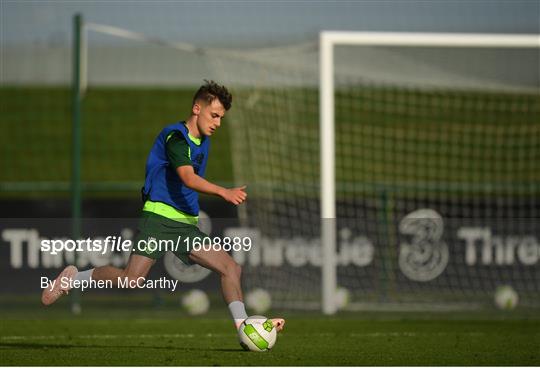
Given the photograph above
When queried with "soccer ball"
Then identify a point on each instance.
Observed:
(506, 297)
(259, 300)
(342, 297)
(257, 333)
(196, 302)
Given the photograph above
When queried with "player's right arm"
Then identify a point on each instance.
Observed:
(179, 158)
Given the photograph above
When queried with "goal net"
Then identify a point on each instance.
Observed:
(436, 159)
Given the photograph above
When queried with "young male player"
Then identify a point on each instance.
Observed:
(174, 175)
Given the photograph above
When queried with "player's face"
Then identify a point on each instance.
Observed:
(209, 117)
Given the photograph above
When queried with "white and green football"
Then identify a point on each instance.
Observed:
(258, 300)
(196, 302)
(506, 297)
(257, 333)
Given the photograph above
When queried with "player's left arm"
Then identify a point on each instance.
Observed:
(179, 158)
(192, 180)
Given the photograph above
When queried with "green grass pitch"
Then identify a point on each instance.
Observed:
(133, 332)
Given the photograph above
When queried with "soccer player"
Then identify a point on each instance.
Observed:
(174, 176)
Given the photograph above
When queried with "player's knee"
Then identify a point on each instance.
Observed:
(232, 269)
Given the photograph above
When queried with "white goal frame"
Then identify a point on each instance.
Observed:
(327, 41)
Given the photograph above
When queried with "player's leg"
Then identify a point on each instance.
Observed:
(224, 265)
(142, 258)
(138, 266)
(230, 273)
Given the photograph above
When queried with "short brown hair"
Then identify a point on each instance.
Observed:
(210, 90)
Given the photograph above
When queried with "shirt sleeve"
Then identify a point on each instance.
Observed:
(178, 150)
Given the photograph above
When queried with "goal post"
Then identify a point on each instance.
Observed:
(327, 41)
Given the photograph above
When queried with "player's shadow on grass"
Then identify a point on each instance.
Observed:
(34, 345)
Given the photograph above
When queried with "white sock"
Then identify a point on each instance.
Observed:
(238, 312)
(84, 275)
